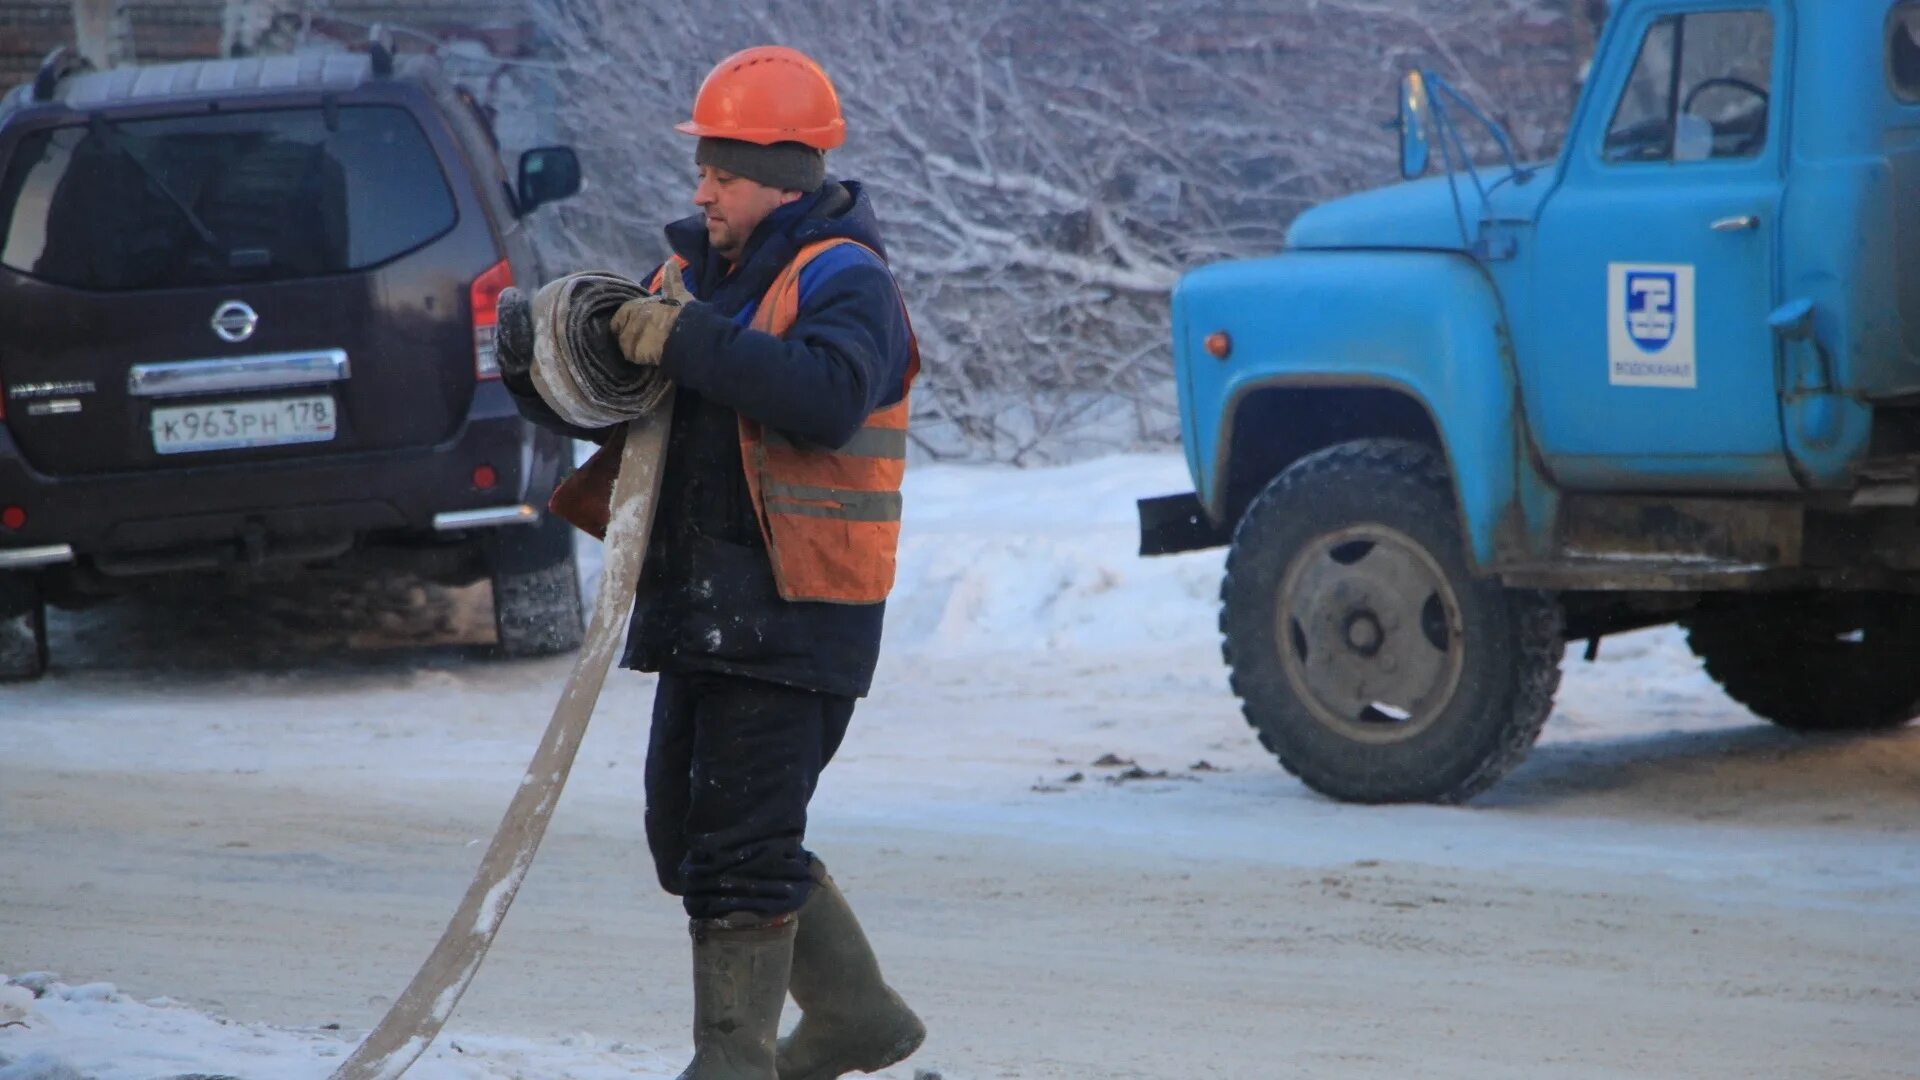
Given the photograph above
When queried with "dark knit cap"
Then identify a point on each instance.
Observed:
(789, 166)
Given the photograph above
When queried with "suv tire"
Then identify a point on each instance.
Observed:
(23, 628)
(537, 609)
(1814, 665)
(1366, 655)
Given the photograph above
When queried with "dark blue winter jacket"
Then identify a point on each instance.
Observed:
(708, 600)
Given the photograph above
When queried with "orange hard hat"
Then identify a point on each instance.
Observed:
(765, 95)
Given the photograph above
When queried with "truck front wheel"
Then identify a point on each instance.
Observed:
(1366, 655)
(1816, 662)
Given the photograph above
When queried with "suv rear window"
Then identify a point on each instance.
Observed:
(221, 198)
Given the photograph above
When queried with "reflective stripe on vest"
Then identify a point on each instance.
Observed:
(831, 518)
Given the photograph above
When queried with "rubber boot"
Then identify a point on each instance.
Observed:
(850, 1019)
(740, 968)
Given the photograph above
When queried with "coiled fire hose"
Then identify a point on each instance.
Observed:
(579, 371)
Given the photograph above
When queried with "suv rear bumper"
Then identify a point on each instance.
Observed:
(309, 507)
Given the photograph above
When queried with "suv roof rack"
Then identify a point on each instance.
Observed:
(60, 63)
(81, 88)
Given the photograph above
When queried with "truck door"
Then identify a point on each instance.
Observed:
(1650, 363)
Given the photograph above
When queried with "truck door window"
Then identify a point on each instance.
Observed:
(1642, 122)
(1700, 90)
(1903, 51)
(1725, 85)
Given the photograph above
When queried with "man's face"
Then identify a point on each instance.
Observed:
(735, 206)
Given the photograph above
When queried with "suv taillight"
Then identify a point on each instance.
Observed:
(485, 294)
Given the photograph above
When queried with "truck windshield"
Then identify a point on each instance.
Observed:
(220, 198)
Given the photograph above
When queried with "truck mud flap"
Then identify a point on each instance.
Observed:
(1170, 524)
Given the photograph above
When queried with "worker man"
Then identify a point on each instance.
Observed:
(773, 551)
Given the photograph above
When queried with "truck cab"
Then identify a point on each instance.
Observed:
(1671, 375)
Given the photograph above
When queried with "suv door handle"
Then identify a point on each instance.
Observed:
(1738, 223)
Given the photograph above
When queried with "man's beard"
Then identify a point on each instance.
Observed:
(723, 242)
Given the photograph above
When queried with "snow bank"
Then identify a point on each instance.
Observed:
(1002, 558)
(93, 1032)
(997, 558)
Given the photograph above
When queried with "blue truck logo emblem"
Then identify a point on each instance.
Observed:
(1650, 325)
(1651, 318)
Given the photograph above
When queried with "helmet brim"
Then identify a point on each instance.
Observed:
(827, 138)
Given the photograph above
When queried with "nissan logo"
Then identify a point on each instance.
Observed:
(234, 321)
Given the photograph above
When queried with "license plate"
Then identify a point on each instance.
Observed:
(234, 425)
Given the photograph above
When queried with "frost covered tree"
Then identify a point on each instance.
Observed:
(103, 32)
(1044, 172)
(249, 27)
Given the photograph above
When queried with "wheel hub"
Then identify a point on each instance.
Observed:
(1364, 634)
(1370, 633)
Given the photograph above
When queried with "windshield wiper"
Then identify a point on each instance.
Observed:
(113, 139)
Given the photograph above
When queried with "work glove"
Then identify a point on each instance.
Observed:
(513, 333)
(641, 325)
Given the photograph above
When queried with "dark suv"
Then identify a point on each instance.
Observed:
(246, 317)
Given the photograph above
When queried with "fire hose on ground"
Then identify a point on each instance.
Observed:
(579, 372)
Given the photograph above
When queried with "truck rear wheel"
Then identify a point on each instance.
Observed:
(1366, 655)
(23, 628)
(1816, 662)
(536, 589)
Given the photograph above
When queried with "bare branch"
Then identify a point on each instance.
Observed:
(1044, 172)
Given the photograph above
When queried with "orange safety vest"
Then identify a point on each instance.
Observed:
(831, 518)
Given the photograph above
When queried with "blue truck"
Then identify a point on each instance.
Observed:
(1672, 375)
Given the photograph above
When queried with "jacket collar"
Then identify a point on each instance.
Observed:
(839, 208)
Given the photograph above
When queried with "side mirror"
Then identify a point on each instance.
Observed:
(1416, 117)
(547, 174)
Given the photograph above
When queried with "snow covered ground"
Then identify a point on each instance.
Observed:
(234, 822)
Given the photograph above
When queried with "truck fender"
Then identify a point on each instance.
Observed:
(1331, 346)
